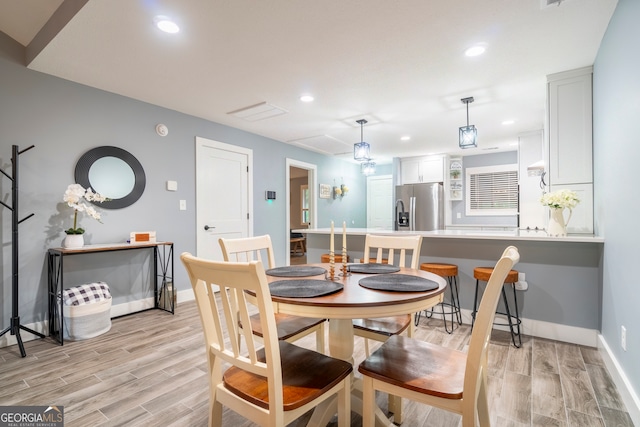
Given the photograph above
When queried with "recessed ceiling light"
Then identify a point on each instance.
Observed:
(508, 122)
(306, 98)
(165, 24)
(405, 138)
(475, 50)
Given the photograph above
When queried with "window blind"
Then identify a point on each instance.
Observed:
(492, 192)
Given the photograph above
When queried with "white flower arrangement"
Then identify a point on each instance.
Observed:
(76, 197)
(560, 199)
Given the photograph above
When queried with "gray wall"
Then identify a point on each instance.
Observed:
(479, 160)
(64, 120)
(616, 109)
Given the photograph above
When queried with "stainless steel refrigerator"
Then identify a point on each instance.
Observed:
(419, 207)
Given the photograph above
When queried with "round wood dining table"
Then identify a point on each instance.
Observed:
(355, 302)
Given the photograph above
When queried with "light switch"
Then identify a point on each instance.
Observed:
(183, 205)
(172, 186)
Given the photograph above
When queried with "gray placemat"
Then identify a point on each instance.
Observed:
(296, 271)
(305, 288)
(398, 283)
(373, 268)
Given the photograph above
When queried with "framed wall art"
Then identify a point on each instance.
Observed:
(325, 191)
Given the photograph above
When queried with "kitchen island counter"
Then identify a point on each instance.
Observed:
(563, 275)
(471, 233)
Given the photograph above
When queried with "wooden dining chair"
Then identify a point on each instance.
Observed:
(393, 250)
(290, 328)
(271, 385)
(438, 376)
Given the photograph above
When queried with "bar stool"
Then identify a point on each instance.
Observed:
(449, 272)
(337, 258)
(483, 274)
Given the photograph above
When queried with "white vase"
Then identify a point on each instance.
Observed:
(557, 224)
(74, 241)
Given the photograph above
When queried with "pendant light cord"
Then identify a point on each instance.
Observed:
(467, 114)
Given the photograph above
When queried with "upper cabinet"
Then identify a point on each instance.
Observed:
(570, 138)
(422, 169)
(570, 127)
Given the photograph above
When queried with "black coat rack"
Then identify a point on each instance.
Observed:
(15, 326)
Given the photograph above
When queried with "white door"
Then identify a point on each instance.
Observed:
(380, 202)
(223, 195)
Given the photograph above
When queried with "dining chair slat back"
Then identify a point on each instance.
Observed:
(290, 328)
(271, 383)
(452, 380)
(245, 249)
(403, 246)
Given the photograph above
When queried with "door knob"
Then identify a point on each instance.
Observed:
(206, 227)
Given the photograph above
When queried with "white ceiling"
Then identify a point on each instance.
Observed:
(398, 64)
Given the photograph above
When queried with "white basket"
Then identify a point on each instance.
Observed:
(87, 321)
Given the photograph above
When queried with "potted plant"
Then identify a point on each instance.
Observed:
(76, 197)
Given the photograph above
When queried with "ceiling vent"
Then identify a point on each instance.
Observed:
(256, 112)
(324, 144)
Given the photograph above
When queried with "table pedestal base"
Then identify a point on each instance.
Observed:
(324, 412)
(341, 347)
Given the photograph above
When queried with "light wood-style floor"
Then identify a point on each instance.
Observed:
(150, 370)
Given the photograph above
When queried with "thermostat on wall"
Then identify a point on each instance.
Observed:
(270, 195)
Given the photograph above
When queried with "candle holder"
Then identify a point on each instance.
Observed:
(345, 272)
(332, 266)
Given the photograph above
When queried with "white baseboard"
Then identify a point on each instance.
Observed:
(553, 331)
(41, 327)
(131, 307)
(116, 310)
(186, 295)
(628, 394)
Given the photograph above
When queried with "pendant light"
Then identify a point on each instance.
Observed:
(468, 137)
(368, 168)
(362, 149)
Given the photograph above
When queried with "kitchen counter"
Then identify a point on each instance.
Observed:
(481, 234)
(563, 275)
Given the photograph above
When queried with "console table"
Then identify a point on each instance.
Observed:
(162, 278)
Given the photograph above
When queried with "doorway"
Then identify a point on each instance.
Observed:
(301, 212)
(380, 202)
(222, 210)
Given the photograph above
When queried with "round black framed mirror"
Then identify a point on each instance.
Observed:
(112, 172)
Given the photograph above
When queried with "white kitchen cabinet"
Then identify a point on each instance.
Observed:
(570, 127)
(422, 169)
(582, 216)
(570, 141)
(410, 171)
